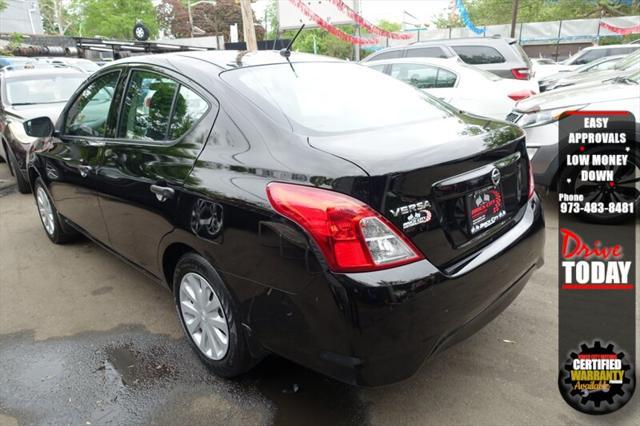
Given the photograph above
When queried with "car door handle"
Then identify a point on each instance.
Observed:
(85, 170)
(163, 193)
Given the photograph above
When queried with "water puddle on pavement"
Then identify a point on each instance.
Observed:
(129, 376)
(129, 367)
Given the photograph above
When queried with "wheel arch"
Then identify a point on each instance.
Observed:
(33, 175)
(170, 256)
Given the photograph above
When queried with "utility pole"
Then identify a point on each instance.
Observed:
(356, 7)
(247, 25)
(514, 18)
(190, 18)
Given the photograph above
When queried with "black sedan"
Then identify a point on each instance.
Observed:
(306, 207)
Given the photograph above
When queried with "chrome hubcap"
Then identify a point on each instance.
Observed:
(46, 212)
(203, 316)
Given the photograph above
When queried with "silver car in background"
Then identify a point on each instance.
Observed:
(501, 56)
(628, 64)
(603, 64)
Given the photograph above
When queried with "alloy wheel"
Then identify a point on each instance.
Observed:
(45, 210)
(203, 316)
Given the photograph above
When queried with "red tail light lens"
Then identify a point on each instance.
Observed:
(532, 184)
(520, 73)
(351, 235)
(521, 94)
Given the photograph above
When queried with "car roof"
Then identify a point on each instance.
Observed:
(228, 59)
(453, 61)
(38, 72)
(469, 40)
(609, 46)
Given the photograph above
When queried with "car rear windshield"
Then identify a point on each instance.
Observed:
(479, 55)
(334, 97)
(42, 89)
(522, 54)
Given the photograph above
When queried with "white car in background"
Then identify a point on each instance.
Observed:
(465, 87)
(584, 56)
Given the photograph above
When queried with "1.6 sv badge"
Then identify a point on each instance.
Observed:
(419, 214)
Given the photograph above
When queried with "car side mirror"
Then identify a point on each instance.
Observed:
(40, 127)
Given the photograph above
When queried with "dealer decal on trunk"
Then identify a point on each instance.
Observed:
(418, 214)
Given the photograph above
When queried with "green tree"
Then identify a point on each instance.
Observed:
(272, 20)
(389, 26)
(3, 4)
(325, 43)
(115, 18)
(492, 12)
(59, 16)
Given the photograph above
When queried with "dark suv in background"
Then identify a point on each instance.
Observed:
(501, 56)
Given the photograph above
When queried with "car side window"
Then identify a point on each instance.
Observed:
(379, 68)
(479, 55)
(445, 78)
(147, 106)
(426, 52)
(603, 66)
(589, 56)
(420, 76)
(392, 54)
(189, 108)
(88, 115)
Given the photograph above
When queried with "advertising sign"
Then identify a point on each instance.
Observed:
(596, 262)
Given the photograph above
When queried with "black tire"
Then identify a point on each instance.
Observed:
(23, 184)
(237, 359)
(61, 233)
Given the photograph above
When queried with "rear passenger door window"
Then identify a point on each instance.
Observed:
(426, 52)
(420, 76)
(479, 55)
(158, 108)
(445, 78)
(188, 108)
(88, 115)
(147, 107)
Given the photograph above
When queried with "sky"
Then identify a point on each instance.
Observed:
(391, 10)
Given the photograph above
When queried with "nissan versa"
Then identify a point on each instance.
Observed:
(301, 206)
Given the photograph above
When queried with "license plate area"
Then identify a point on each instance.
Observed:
(485, 208)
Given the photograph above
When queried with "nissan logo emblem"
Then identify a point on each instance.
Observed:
(495, 176)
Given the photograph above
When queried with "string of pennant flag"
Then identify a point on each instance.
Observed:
(357, 18)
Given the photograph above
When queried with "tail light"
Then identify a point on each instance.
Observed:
(532, 184)
(520, 73)
(351, 235)
(521, 94)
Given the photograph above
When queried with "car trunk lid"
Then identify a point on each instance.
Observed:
(451, 185)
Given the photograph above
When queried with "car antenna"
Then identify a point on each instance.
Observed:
(286, 52)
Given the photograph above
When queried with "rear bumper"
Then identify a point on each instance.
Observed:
(402, 316)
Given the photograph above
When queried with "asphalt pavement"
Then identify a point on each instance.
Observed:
(86, 339)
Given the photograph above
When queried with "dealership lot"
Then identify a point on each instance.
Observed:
(86, 339)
